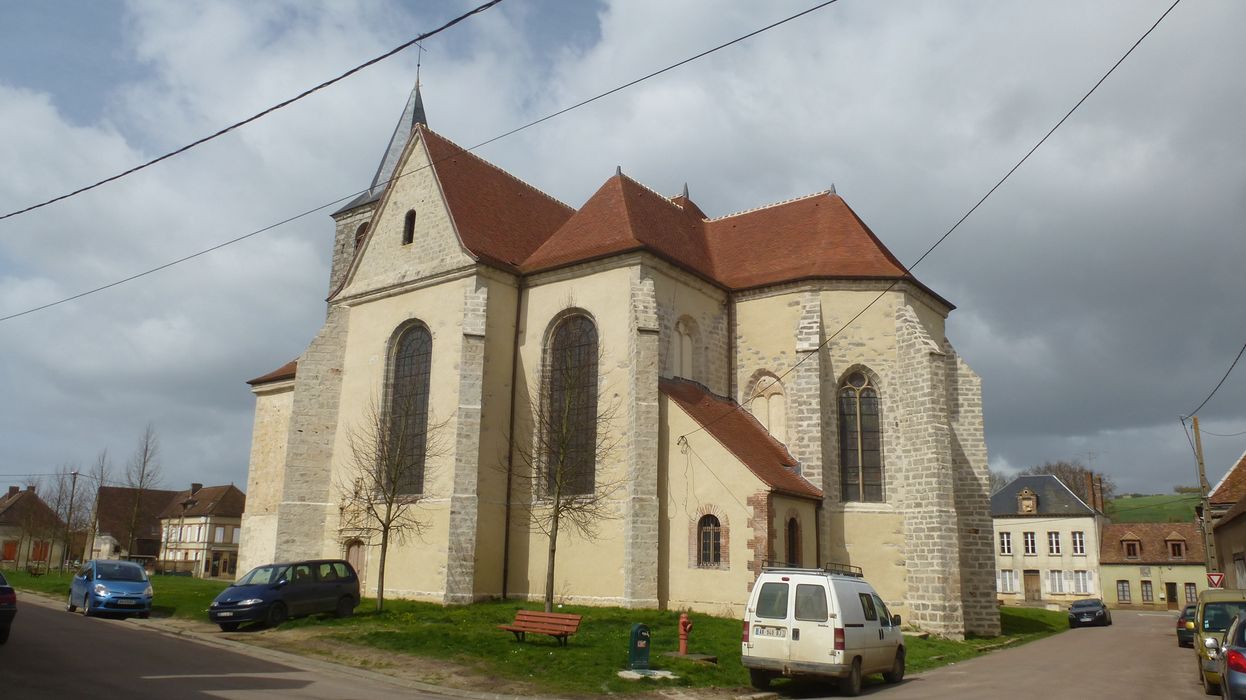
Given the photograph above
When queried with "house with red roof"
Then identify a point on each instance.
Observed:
(783, 392)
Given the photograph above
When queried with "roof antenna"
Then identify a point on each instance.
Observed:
(685, 190)
(618, 170)
(832, 188)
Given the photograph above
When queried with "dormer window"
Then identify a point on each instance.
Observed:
(1132, 549)
(1176, 549)
(1027, 502)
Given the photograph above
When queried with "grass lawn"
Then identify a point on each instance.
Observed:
(589, 663)
(1164, 508)
(175, 596)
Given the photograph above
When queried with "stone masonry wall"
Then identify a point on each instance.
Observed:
(464, 502)
(307, 510)
(641, 541)
(932, 556)
(973, 497)
(348, 224)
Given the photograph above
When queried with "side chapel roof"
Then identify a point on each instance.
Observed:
(738, 431)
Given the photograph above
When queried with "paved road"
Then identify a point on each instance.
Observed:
(53, 654)
(1137, 657)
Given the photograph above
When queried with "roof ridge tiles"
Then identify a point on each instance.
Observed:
(649, 189)
(772, 205)
(498, 168)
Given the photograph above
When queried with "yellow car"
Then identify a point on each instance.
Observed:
(1215, 612)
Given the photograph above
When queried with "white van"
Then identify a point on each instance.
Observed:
(820, 622)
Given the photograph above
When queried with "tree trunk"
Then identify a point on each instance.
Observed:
(549, 567)
(380, 574)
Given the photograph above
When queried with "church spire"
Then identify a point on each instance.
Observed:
(412, 114)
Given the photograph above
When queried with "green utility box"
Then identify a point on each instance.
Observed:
(638, 648)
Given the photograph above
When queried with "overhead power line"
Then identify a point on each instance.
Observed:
(348, 197)
(956, 225)
(258, 115)
(1219, 384)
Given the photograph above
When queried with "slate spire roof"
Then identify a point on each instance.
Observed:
(412, 115)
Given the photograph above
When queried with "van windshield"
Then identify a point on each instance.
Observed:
(261, 575)
(1218, 616)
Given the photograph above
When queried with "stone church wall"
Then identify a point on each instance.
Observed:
(266, 474)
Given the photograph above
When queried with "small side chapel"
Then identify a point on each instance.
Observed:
(750, 428)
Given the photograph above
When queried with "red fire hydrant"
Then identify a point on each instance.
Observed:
(685, 626)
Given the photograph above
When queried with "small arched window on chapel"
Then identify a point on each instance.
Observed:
(411, 364)
(408, 228)
(769, 406)
(360, 233)
(709, 542)
(570, 423)
(860, 440)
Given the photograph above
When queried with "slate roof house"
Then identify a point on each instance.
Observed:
(755, 422)
(1046, 541)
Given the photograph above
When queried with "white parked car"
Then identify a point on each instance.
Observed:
(820, 622)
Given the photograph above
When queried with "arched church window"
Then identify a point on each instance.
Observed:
(769, 406)
(860, 439)
(360, 233)
(709, 541)
(793, 542)
(408, 228)
(570, 423)
(683, 346)
(402, 463)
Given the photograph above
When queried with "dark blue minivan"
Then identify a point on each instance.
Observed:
(273, 592)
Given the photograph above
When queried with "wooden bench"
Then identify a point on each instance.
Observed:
(557, 625)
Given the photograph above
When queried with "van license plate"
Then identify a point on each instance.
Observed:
(224, 614)
(778, 632)
(124, 601)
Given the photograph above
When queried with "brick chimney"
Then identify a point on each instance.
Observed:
(1099, 492)
(13, 490)
(194, 488)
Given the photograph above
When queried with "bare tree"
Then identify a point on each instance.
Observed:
(99, 475)
(573, 440)
(1074, 474)
(392, 451)
(998, 481)
(142, 473)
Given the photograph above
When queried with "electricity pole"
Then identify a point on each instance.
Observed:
(1209, 544)
(69, 517)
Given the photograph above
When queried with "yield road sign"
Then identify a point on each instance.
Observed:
(1215, 580)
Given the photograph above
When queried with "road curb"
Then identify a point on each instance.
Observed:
(161, 626)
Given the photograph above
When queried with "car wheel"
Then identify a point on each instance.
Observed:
(276, 614)
(4, 634)
(86, 605)
(851, 686)
(69, 604)
(759, 679)
(345, 606)
(896, 674)
(228, 626)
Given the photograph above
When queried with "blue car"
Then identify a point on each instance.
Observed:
(108, 586)
(273, 592)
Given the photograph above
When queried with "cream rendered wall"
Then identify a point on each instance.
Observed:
(265, 475)
(697, 479)
(1043, 561)
(416, 566)
(1158, 575)
(805, 511)
(586, 570)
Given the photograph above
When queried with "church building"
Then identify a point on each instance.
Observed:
(766, 387)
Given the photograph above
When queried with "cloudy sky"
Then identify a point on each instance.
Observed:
(1099, 291)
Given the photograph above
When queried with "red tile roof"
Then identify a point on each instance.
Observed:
(224, 501)
(1153, 538)
(499, 217)
(1232, 488)
(286, 371)
(738, 431)
(24, 508)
